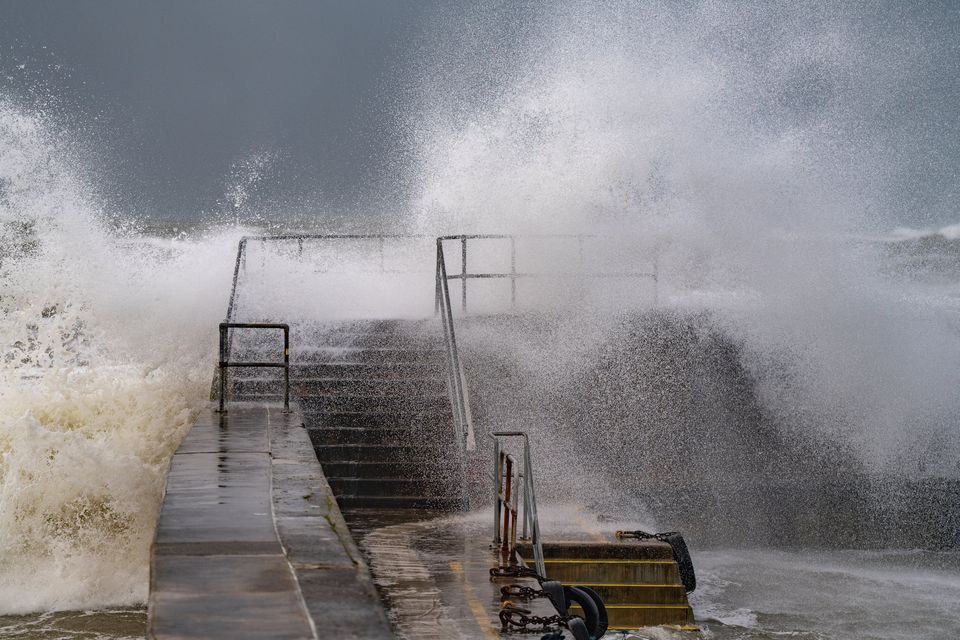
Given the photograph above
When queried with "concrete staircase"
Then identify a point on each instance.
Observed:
(639, 581)
(375, 402)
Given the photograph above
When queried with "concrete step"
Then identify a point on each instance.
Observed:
(390, 487)
(630, 616)
(638, 580)
(449, 503)
(393, 326)
(341, 469)
(308, 386)
(388, 404)
(361, 354)
(638, 594)
(378, 370)
(378, 453)
(377, 340)
(621, 572)
(439, 418)
(383, 435)
(329, 353)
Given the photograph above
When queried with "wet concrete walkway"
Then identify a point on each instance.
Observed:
(435, 577)
(250, 542)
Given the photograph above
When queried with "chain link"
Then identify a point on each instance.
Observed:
(643, 535)
(521, 591)
(519, 618)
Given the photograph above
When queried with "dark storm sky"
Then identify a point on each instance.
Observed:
(171, 98)
(173, 94)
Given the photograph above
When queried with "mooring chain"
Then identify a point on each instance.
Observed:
(642, 535)
(519, 619)
(522, 591)
(515, 571)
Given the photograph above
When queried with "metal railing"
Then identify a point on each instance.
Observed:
(513, 275)
(456, 381)
(506, 508)
(459, 397)
(300, 238)
(240, 262)
(225, 357)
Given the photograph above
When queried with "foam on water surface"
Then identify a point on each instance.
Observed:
(753, 171)
(106, 344)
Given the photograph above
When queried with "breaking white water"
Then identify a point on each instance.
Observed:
(755, 148)
(107, 342)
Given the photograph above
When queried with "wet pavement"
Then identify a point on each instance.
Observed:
(250, 543)
(434, 574)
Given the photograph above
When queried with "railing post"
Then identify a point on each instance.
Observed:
(513, 272)
(286, 369)
(505, 547)
(496, 491)
(463, 271)
(656, 275)
(223, 368)
(436, 296)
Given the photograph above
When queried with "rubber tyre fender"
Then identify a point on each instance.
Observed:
(591, 617)
(578, 629)
(557, 594)
(681, 555)
(603, 622)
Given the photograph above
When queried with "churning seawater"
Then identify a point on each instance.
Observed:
(106, 343)
(754, 170)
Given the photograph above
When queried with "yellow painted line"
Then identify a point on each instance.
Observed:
(607, 561)
(480, 614)
(619, 584)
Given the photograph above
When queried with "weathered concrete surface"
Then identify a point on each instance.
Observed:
(250, 542)
(435, 577)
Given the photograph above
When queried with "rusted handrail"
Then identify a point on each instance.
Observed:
(505, 502)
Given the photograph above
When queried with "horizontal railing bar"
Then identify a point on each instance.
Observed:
(505, 236)
(225, 357)
(334, 236)
(254, 325)
(279, 365)
(624, 274)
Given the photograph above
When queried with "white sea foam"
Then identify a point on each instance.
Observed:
(106, 347)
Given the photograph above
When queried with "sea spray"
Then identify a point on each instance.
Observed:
(755, 151)
(106, 344)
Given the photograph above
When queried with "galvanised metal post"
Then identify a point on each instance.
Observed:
(286, 369)
(496, 491)
(513, 271)
(223, 368)
(463, 271)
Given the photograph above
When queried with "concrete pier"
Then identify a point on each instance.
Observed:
(250, 542)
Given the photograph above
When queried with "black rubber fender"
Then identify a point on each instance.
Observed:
(603, 622)
(681, 555)
(579, 629)
(591, 617)
(557, 595)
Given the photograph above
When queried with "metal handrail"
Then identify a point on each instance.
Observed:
(225, 358)
(515, 275)
(240, 263)
(459, 398)
(300, 237)
(504, 503)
